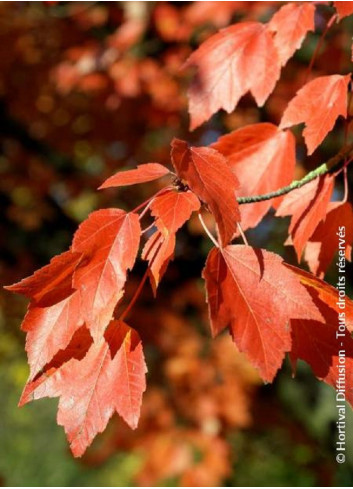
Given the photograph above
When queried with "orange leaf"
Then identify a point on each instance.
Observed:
(318, 104)
(143, 173)
(51, 283)
(344, 9)
(111, 377)
(236, 60)
(325, 241)
(109, 239)
(205, 171)
(263, 159)
(158, 251)
(307, 206)
(172, 209)
(291, 24)
(50, 329)
(251, 291)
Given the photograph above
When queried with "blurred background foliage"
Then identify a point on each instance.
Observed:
(88, 88)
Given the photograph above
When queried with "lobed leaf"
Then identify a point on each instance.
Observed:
(205, 171)
(51, 283)
(50, 329)
(238, 59)
(344, 9)
(325, 241)
(318, 104)
(291, 23)
(263, 159)
(143, 173)
(110, 378)
(172, 209)
(251, 291)
(308, 207)
(109, 238)
(158, 252)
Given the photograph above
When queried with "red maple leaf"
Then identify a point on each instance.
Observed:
(143, 173)
(109, 240)
(319, 103)
(50, 329)
(344, 9)
(158, 251)
(325, 241)
(50, 284)
(291, 23)
(205, 171)
(172, 209)
(238, 59)
(251, 291)
(319, 345)
(263, 160)
(308, 207)
(110, 377)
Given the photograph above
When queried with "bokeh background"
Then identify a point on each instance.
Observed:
(88, 88)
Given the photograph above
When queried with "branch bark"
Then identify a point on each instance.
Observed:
(329, 166)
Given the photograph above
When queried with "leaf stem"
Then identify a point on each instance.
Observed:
(135, 296)
(148, 228)
(242, 234)
(345, 183)
(139, 288)
(328, 167)
(345, 179)
(145, 209)
(319, 44)
(207, 231)
(148, 202)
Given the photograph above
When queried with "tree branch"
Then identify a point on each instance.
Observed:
(328, 167)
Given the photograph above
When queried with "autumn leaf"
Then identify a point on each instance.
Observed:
(205, 171)
(172, 209)
(308, 207)
(77, 349)
(238, 59)
(51, 283)
(263, 160)
(291, 23)
(109, 239)
(110, 378)
(50, 329)
(327, 294)
(54, 314)
(318, 344)
(143, 173)
(329, 234)
(251, 291)
(158, 252)
(318, 104)
(344, 9)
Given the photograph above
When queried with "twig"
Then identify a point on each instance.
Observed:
(325, 168)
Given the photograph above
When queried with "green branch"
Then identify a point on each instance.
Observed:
(331, 165)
